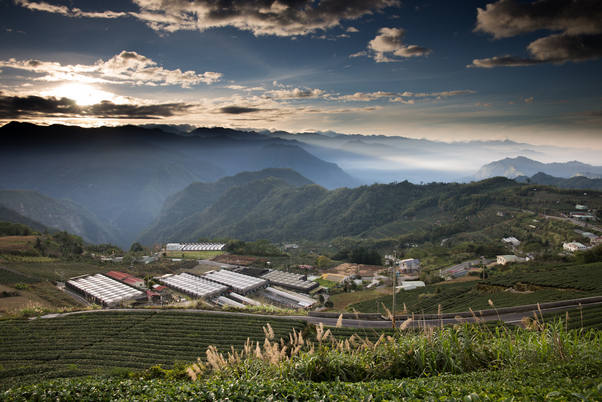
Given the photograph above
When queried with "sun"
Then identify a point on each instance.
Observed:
(82, 94)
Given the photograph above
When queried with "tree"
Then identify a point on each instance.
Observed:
(323, 262)
(136, 248)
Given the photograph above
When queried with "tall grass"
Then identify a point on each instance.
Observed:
(431, 351)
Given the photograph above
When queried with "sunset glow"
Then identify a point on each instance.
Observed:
(82, 94)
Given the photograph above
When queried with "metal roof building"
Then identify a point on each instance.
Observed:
(290, 281)
(224, 301)
(194, 246)
(193, 285)
(290, 299)
(102, 289)
(240, 283)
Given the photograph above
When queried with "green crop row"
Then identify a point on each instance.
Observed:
(102, 341)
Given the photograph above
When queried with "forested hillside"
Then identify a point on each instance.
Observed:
(42, 212)
(275, 210)
(198, 196)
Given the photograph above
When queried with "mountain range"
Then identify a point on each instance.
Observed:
(123, 175)
(575, 182)
(160, 182)
(522, 166)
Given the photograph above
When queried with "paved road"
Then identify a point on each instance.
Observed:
(576, 222)
(510, 318)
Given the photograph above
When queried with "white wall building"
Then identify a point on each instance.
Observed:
(511, 240)
(573, 246)
(506, 259)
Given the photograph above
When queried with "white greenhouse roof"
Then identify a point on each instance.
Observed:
(194, 246)
(105, 289)
(238, 282)
(193, 285)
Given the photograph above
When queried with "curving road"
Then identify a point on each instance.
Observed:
(513, 317)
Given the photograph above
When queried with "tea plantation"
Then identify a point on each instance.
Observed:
(105, 342)
(506, 286)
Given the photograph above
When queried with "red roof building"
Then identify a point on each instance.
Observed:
(132, 281)
(120, 276)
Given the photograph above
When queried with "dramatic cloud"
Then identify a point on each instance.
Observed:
(262, 17)
(508, 18)
(14, 107)
(388, 46)
(579, 23)
(295, 93)
(399, 97)
(239, 110)
(125, 68)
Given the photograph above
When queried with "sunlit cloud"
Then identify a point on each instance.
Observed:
(129, 68)
(388, 46)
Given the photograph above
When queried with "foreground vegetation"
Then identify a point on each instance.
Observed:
(545, 362)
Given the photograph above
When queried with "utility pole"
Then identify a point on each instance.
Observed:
(394, 268)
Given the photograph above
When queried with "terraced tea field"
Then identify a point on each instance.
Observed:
(102, 342)
(518, 285)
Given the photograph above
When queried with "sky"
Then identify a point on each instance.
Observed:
(528, 71)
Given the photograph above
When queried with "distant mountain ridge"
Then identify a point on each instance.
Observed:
(57, 214)
(522, 166)
(124, 174)
(575, 182)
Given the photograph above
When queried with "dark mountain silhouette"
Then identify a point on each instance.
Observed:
(124, 174)
(576, 182)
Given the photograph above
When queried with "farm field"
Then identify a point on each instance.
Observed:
(9, 244)
(102, 342)
(53, 271)
(510, 287)
(199, 255)
(586, 318)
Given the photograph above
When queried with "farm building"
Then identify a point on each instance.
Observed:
(103, 290)
(582, 216)
(243, 299)
(290, 281)
(506, 259)
(573, 246)
(193, 285)
(117, 275)
(225, 301)
(135, 282)
(240, 283)
(288, 299)
(410, 285)
(513, 241)
(126, 278)
(409, 265)
(194, 247)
